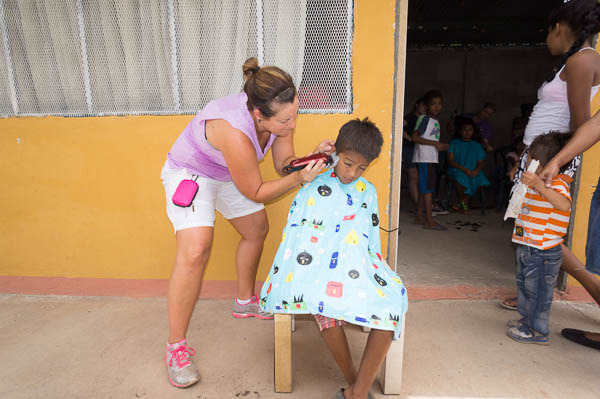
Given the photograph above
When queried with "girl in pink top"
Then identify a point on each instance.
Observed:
(220, 149)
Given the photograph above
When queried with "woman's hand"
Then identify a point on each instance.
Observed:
(550, 171)
(326, 146)
(311, 171)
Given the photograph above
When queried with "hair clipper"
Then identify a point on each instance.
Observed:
(300, 163)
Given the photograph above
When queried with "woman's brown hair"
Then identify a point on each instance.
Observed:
(266, 85)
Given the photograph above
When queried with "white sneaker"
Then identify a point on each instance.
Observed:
(182, 372)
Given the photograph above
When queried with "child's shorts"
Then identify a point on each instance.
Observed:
(212, 194)
(427, 177)
(325, 322)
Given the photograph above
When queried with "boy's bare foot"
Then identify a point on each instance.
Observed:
(419, 221)
(434, 226)
(509, 303)
(348, 393)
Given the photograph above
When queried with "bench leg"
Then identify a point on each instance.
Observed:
(390, 375)
(283, 353)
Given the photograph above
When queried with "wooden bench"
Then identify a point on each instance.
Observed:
(390, 375)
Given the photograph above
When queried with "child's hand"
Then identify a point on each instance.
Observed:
(442, 146)
(532, 180)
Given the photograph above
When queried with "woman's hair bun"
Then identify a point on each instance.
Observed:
(250, 67)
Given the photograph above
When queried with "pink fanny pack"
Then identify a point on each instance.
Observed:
(186, 192)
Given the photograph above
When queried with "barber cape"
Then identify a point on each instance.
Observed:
(329, 261)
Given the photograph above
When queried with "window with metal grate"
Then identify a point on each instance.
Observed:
(92, 58)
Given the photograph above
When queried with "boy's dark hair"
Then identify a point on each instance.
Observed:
(546, 146)
(462, 121)
(359, 136)
(583, 17)
(430, 95)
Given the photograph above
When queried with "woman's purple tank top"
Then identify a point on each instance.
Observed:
(193, 152)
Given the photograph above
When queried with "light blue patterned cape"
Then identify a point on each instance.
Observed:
(329, 260)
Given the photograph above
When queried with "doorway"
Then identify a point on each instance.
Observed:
(474, 53)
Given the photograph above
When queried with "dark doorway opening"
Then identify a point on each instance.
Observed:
(473, 52)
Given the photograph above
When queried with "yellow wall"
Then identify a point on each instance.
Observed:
(82, 197)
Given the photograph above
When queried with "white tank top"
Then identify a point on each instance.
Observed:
(551, 113)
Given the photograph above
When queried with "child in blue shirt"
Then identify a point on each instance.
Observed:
(329, 262)
(466, 160)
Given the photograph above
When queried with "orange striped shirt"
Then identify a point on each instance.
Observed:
(539, 224)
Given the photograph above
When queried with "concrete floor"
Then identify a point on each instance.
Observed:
(459, 256)
(108, 347)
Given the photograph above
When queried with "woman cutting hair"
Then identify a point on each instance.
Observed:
(220, 149)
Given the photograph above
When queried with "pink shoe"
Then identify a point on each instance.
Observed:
(251, 309)
(182, 372)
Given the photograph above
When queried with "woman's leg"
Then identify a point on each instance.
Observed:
(253, 228)
(193, 249)
(377, 347)
(335, 339)
(575, 268)
(413, 184)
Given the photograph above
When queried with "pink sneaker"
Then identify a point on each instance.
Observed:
(182, 372)
(251, 309)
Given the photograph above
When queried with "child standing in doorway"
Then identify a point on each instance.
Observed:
(427, 146)
(329, 262)
(539, 230)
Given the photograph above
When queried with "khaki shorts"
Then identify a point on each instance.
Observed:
(212, 194)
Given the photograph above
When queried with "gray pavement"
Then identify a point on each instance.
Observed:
(107, 347)
(476, 251)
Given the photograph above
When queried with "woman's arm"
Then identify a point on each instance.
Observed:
(416, 138)
(283, 152)
(406, 134)
(486, 145)
(579, 74)
(584, 138)
(240, 156)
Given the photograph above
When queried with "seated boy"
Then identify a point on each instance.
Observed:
(466, 160)
(329, 261)
(539, 230)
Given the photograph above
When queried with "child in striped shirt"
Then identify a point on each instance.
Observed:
(539, 230)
